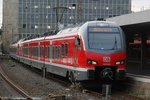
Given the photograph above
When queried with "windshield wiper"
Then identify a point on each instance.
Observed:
(115, 44)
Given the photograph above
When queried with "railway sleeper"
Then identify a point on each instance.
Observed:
(56, 97)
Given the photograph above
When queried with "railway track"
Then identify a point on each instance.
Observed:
(18, 89)
(77, 86)
(123, 96)
(4, 56)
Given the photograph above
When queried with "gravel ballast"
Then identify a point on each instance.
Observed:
(36, 86)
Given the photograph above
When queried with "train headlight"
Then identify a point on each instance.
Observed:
(118, 63)
(121, 62)
(92, 62)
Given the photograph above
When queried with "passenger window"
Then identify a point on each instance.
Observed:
(34, 51)
(41, 48)
(62, 50)
(26, 50)
(48, 52)
(56, 52)
(66, 49)
(53, 53)
(59, 52)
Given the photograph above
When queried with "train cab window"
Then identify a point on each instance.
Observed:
(66, 49)
(62, 50)
(107, 38)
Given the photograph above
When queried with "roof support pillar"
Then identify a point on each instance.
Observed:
(143, 50)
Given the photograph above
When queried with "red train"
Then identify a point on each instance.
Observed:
(93, 50)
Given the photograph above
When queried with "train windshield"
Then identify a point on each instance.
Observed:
(104, 38)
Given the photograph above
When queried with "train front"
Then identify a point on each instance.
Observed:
(105, 50)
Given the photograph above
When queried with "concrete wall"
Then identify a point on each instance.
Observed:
(10, 22)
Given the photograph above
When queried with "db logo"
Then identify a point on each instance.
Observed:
(106, 59)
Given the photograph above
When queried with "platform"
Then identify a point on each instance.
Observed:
(135, 67)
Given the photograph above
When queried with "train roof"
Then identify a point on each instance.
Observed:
(101, 23)
(74, 29)
(77, 28)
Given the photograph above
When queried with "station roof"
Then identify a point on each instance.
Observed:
(134, 22)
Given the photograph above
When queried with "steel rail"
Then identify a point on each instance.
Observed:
(18, 89)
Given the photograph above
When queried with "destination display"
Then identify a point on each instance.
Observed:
(101, 29)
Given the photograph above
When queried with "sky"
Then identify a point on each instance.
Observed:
(0, 13)
(137, 5)
(140, 5)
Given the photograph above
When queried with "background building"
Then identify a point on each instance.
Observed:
(10, 23)
(40, 16)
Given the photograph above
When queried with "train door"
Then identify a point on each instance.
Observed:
(18, 50)
(76, 50)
